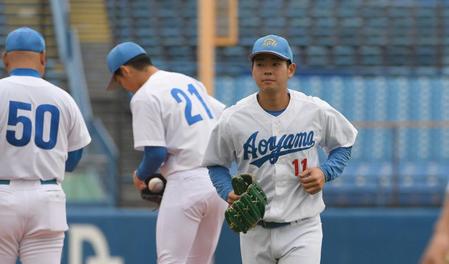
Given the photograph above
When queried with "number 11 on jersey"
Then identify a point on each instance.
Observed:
(296, 165)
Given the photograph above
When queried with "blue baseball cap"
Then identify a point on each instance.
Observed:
(272, 44)
(121, 54)
(25, 39)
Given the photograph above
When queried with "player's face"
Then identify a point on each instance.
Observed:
(271, 73)
(127, 80)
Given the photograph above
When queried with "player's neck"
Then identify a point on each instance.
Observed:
(274, 101)
(25, 65)
(145, 75)
(151, 70)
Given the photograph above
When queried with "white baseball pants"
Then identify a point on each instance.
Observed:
(189, 220)
(32, 222)
(292, 244)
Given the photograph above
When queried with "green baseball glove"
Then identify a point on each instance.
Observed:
(244, 213)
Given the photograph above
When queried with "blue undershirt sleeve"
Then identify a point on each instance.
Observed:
(73, 159)
(221, 179)
(153, 157)
(335, 163)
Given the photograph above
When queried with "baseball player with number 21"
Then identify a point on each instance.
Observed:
(274, 136)
(172, 119)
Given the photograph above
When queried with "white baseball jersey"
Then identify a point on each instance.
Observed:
(276, 149)
(173, 110)
(39, 124)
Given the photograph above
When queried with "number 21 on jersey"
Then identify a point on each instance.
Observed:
(179, 95)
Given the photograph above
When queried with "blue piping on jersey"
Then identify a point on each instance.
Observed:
(221, 179)
(335, 163)
(153, 157)
(73, 159)
(25, 72)
(275, 113)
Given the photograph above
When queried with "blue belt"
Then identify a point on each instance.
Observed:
(52, 181)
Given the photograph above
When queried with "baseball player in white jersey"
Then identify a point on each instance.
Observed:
(42, 134)
(172, 120)
(274, 135)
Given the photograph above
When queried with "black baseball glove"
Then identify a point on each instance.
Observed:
(244, 213)
(155, 197)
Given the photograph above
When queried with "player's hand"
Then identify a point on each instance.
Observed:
(139, 184)
(438, 250)
(232, 197)
(312, 180)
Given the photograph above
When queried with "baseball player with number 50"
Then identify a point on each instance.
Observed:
(273, 136)
(42, 134)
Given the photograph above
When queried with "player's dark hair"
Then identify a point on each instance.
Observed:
(140, 62)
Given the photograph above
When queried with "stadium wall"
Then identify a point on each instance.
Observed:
(392, 235)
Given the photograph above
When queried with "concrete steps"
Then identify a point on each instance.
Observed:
(37, 15)
(90, 18)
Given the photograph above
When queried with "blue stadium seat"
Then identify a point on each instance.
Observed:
(376, 99)
(398, 97)
(399, 13)
(371, 55)
(422, 182)
(426, 55)
(399, 55)
(441, 95)
(343, 12)
(296, 12)
(344, 55)
(321, 10)
(364, 25)
(363, 183)
(317, 55)
(300, 4)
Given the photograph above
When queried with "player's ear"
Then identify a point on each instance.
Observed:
(43, 58)
(291, 70)
(5, 60)
(125, 70)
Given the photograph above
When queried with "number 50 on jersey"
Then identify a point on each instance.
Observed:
(45, 113)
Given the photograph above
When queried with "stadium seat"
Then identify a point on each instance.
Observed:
(422, 182)
(317, 56)
(363, 183)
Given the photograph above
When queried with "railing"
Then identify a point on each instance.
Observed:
(70, 53)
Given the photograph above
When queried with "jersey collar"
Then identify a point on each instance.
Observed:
(25, 72)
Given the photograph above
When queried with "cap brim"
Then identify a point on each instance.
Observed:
(269, 52)
(112, 84)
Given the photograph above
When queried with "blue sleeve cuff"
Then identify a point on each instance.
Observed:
(335, 163)
(153, 157)
(73, 159)
(221, 179)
